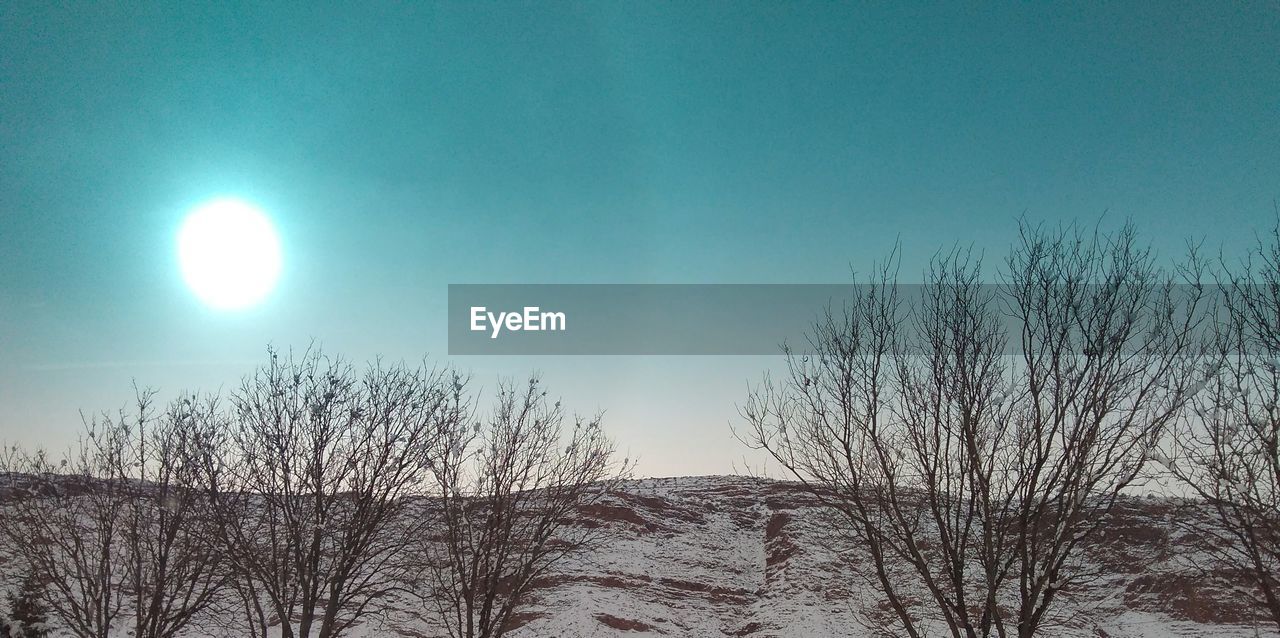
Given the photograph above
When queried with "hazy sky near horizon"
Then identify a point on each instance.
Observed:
(400, 148)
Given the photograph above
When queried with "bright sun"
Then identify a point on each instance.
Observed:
(229, 254)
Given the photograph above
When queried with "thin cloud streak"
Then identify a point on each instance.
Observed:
(97, 365)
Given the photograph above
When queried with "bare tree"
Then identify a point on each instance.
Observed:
(968, 459)
(308, 478)
(1227, 451)
(173, 567)
(111, 529)
(64, 524)
(508, 490)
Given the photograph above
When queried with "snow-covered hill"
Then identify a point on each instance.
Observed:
(707, 557)
(736, 556)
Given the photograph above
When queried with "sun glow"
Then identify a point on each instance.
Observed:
(229, 254)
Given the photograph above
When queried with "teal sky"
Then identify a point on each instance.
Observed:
(404, 148)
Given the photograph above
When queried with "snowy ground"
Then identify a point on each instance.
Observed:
(733, 556)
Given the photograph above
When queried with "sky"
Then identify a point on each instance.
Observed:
(400, 148)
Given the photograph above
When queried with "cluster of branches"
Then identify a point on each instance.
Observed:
(301, 505)
(970, 460)
(113, 530)
(1227, 449)
(506, 487)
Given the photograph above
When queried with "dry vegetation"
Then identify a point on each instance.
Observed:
(302, 505)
